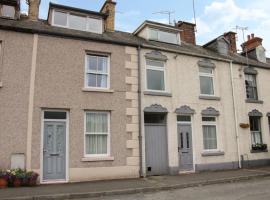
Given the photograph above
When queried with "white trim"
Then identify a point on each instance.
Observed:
(155, 68)
(108, 136)
(42, 146)
(176, 34)
(108, 74)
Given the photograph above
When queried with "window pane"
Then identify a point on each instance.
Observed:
(208, 119)
(154, 63)
(95, 25)
(206, 70)
(154, 118)
(8, 11)
(102, 64)
(209, 137)
(256, 137)
(251, 87)
(153, 34)
(91, 80)
(96, 122)
(206, 85)
(55, 115)
(155, 80)
(181, 118)
(77, 22)
(167, 37)
(96, 144)
(102, 81)
(92, 63)
(60, 18)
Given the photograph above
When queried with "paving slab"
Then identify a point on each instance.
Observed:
(128, 186)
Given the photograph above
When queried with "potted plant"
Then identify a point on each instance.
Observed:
(259, 147)
(19, 176)
(3, 179)
(31, 178)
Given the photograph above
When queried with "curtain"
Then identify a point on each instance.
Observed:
(96, 144)
(209, 137)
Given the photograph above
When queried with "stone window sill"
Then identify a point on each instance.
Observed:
(154, 93)
(258, 151)
(212, 153)
(254, 101)
(212, 98)
(97, 159)
(97, 90)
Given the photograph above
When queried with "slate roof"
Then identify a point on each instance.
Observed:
(122, 38)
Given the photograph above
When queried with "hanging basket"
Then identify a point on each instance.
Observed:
(243, 125)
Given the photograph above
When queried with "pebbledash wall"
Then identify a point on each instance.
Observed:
(47, 72)
(182, 82)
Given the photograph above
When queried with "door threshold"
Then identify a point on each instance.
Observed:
(187, 172)
(56, 181)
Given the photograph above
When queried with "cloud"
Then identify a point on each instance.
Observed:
(125, 20)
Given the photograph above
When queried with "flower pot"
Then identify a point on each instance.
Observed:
(17, 182)
(32, 182)
(3, 183)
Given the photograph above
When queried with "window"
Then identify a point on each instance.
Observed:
(206, 80)
(82, 23)
(184, 118)
(163, 36)
(97, 133)
(251, 86)
(255, 128)
(97, 72)
(8, 11)
(155, 74)
(209, 133)
(60, 18)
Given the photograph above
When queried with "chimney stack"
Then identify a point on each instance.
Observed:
(231, 37)
(252, 43)
(187, 32)
(109, 9)
(33, 11)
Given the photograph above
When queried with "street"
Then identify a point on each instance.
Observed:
(247, 190)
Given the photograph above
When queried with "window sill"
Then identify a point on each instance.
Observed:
(212, 153)
(258, 151)
(97, 90)
(153, 93)
(96, 159)
(212, 98)
(254, 101)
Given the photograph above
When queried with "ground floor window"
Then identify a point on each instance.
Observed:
(255, 128)
(209, 133)
(97, 133)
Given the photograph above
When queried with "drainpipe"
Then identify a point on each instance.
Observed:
(235, 117)
(140, 110)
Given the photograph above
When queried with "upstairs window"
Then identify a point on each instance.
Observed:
(251, 86)
(206, 80)
(155, 75)
(8, 11)
(162, 36)
(72, 21)
(97, 72)
(255, 128)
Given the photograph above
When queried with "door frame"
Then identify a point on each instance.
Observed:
(193, 141)
(42, 181)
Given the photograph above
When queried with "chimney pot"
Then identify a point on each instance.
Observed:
(252, 35)
(248, 37)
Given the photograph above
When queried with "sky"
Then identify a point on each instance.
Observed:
(214, 17)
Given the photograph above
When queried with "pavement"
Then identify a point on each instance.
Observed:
(131, 186)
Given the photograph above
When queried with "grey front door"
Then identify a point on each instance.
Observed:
(185, 147)
(54, 151)
(156, 153)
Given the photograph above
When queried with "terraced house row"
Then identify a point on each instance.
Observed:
(82, 101)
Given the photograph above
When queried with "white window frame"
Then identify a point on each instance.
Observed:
(260, 130)
(108, 135)
(256, 86)
(13, 17)
(155, 68)
(100, 73)
(210, 123)
(212, 75)
(68, 24)
(158, 38)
